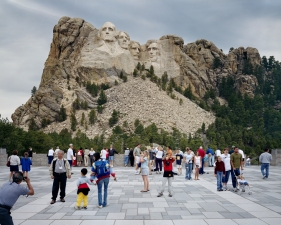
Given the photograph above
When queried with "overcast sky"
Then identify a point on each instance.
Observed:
(27, 28)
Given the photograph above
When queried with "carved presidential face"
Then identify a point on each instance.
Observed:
(135, 50)
(123, 40)
(153, 51)
(108, 32)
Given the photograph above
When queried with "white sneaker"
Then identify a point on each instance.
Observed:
(77, 207)
(136, 172)
(100, 206)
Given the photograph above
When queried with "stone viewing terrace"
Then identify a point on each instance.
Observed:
(193, 202)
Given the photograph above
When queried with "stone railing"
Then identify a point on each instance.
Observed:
(276, 157)
(42, 160)
(3, 159)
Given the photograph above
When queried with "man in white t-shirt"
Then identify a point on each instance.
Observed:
(69, 155)
(103, 154)
(217, 153)
(50, 156)
(243, 156)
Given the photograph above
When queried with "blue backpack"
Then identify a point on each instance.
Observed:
(101, 168)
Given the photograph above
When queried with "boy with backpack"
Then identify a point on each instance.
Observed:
(101, 170)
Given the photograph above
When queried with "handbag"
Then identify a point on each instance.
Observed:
(8, 163)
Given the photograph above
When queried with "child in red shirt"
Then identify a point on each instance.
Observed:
(168, 174)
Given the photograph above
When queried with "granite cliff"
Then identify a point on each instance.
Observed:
(81, 53)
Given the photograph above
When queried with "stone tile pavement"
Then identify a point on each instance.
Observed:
(197, 202)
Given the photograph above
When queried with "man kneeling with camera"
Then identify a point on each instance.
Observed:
(9, 194)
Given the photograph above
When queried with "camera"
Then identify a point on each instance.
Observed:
(24, 178)
(167, 163)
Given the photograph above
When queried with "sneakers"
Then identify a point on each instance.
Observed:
(100, 206)
(85, 207)
(137, 172)
(170, 195)
(160, 194)
(77, 207)
(264, 177)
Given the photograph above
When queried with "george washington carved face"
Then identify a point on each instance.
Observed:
(108, 32)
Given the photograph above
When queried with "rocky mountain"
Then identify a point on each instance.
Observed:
(81, 53)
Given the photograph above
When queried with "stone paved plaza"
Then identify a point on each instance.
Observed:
(195, 202)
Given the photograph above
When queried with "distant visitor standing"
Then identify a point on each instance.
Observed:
(211, 156)
(131, 157)
(136, 153)
(30, 153)
(25, 164)
(91, 154)
(86, 156)
(126, 157)
(265, 159)
(112, 152)
(14, 163)
(70, 155)
(202, 153)
(50, 156)
(59, 172)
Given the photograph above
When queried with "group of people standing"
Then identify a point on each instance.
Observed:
(225, 163)
(77, 157)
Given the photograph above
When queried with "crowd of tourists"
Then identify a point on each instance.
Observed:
(156, 160)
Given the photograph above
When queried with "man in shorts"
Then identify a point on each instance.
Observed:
(136, 153)
(69, 156)
(236, 164)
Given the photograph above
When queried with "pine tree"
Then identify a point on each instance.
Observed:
(73, 122)
(82, 121)
(114, 118)
(92, 117)
(217, 63)
(102, 98)
(231, 49)
(32, 125)
(138, 66)
(33, 91)
(135, 73)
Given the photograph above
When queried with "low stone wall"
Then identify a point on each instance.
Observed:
(276, 157)
(42, 160)
(3, 159)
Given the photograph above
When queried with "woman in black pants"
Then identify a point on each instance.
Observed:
(131, 157)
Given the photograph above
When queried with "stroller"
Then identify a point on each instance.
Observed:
(242, 185)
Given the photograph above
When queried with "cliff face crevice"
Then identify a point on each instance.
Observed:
(81, 53)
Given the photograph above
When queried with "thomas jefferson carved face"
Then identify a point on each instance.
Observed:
(123, 40)
(153, 51)
(135, 50)
(107, 32)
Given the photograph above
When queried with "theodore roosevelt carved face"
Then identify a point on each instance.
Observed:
(135, 50)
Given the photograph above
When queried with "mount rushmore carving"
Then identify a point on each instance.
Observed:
(82, 53)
